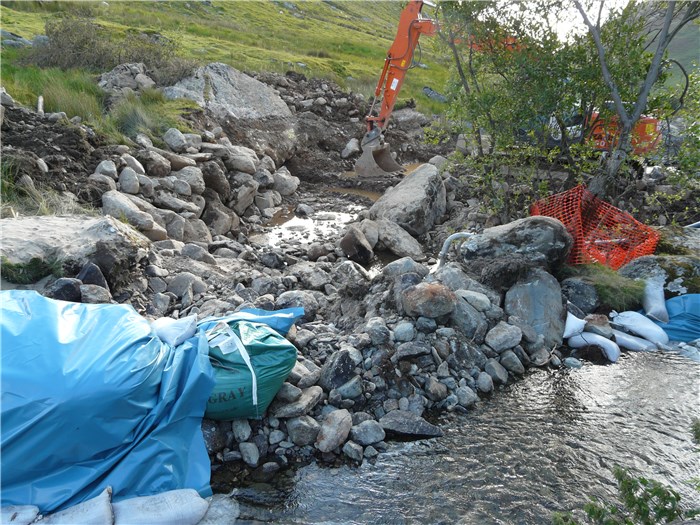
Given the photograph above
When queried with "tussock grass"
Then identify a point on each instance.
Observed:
(614, 291)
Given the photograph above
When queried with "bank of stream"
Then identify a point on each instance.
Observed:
(543, 444)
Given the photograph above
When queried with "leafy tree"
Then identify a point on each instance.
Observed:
(628, 39)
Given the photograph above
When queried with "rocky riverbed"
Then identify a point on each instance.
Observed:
(184, 228)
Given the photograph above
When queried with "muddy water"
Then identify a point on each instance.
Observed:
(543, 444)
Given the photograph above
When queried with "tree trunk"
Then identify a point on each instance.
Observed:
(604, 184)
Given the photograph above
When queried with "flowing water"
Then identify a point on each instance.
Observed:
(543, 444)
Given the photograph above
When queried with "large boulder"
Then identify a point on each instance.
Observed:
(501, 254)
(680, 273)
(398, 241)
(250, 112)
(537, 300)
(416, 203)
(113, 246)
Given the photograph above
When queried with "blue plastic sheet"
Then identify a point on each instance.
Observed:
(91, 398)
(683, 318)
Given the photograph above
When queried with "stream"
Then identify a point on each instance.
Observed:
(543, 444)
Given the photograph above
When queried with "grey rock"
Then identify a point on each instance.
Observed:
(468, 320)
(185, 280)
(367, 433)
(215, 178)
(308, 400)
(378, 331)
(510, 362)
(352, 389)
(276, 436)
(503, 336)
(334, 430)
(155, 164)
(250, 453)
(497, 372)
(484, 382)
(134, 164)
(428, 300)
(406, 424)
(416, 203)
(64, 289)
(370, 230)
(537, 300)
(351, 148)
(303, 430)
(398, 241)
(241, 430)
(452, 276)
(572, 362)
(353, 451)
(129, 181)
(299, 298)
(434, 389)
(175, 140)
(90, 273)
(404, 331)
(284, 182)
(196, 230)
(196, 252)
(119, 206)
(94, 294)
(403, 266)
(337, 370)
(466, 396)
(356, 247)
(288, 393)
(410, 350)
(108, 168)
(192, 176)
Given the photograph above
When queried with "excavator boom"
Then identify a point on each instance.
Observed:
(376, 158)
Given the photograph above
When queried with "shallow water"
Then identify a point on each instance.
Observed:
(543, 444)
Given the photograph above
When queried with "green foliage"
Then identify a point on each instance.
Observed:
(30, 272)
(614, 291)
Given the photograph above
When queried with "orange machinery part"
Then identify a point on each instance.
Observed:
(604, 134)
(412, 24)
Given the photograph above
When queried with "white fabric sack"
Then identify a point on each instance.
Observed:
(175, 507)
(654, 301)
(18, 514)
(95, 511)
(610, 348)
(640, 325)
(175, 331)
(573, 325)
(632, 342)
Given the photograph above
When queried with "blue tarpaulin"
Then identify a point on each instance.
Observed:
(683, 318)
(92, 398)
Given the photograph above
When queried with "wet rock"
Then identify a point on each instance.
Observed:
(428, 300)
(484, 382)
(334, 430)
(64, 289)
(93, 294)
(406, 424)
(416, 203)
(356, 247)
(250, 453)
(497, 372)
(398, 241)
(303, 430)
(367, 433)
(510, 362)
(572, 362)
(503, 336)
(308, 400)
(466, 396)
(537, 300)
(214, 437)
(223, 510)
(353, 451)
(370, 230)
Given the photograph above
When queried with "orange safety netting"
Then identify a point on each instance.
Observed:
(601, 232)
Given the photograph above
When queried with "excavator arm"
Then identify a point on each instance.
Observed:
(376, 158)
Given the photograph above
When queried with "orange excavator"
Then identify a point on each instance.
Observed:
(376, 159)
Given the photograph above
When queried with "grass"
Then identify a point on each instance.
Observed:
(343, 41)
(615, 292)
(30, 272)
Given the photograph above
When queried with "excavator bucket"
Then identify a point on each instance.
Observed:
(376, 161)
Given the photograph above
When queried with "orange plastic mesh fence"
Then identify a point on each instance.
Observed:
(601, 232)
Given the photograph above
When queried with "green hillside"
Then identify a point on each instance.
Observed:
(342, 40)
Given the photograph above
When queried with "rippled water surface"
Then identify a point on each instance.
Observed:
(544, 444)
